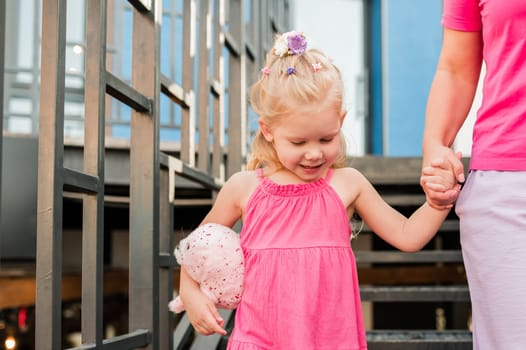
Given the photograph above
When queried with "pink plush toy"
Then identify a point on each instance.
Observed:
(212, 256)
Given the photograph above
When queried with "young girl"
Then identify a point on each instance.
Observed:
(295, 201)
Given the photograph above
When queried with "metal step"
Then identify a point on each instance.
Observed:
(419, 340)
(397, 257)
(404, 200)
(415, 293)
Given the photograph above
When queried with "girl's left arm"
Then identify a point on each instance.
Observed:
(407, 234)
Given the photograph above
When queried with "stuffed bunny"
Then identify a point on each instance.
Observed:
(212, 256)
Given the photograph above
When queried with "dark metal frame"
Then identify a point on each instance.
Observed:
(2, 65)
(152, 173)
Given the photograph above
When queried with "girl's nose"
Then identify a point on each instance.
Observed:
(313, 153)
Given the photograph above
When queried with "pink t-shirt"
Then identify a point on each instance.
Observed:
(499, 136)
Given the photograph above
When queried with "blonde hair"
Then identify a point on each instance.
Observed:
(315, 81)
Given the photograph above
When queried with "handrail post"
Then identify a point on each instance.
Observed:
(144, 177)
(50, 162)
(2, 63)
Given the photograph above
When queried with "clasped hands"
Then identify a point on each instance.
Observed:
(442, 178)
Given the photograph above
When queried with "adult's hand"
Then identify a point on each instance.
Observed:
(446, 159)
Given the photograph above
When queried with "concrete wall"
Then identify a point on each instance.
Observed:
(337, 28)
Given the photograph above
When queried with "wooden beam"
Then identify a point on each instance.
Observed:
(20, 291)
(412, 275)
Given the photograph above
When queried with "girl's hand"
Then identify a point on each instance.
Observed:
(203, 315)
(440, 181)
(201, 311)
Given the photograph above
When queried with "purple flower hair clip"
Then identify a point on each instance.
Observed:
(291, 70)
(291, 43)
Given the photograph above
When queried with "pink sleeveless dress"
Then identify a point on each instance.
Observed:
(301, 284)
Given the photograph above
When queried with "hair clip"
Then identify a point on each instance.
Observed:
(316, 66)
(291, 70)
(290, 44)
(265, 71)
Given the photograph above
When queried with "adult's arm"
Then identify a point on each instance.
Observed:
(450, 99)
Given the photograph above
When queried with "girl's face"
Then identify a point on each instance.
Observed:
(307, 142)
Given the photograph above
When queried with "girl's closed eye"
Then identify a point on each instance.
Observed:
(297, 143)
(323, 140)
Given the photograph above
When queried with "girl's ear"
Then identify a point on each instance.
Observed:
(343, 113)
(265, 130)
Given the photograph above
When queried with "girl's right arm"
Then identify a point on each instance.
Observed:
(201, 311)
(227, 210)
(230, 201)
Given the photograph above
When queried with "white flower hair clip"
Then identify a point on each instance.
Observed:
(290, 44)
